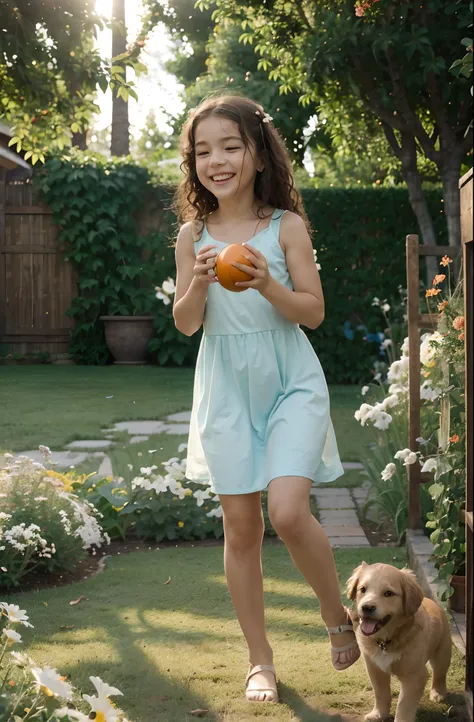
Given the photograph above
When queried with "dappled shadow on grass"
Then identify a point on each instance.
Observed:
(304, 711)
(174, 647)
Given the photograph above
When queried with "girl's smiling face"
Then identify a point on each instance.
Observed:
(224, 164)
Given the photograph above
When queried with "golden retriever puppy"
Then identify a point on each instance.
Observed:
(399, 631)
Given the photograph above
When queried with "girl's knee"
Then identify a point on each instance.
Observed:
(288, 522)
(243, 533)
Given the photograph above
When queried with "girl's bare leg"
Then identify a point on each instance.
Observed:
(290, 514)
(243, 530)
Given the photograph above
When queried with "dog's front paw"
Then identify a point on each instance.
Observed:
(438, 695)
(375, 716)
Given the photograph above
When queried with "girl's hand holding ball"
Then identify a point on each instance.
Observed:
(204, 267)
(258, 271)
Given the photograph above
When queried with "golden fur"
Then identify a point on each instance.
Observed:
(399, 631)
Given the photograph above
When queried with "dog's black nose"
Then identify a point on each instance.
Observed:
(368, 609)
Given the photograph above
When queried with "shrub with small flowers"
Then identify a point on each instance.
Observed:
(156, 503)
(29, 692)
(442, 451)
(170, 346)
(43, 526)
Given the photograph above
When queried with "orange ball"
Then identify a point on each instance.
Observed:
(226, 273)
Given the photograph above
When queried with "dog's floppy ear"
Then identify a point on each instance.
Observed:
(353, 581)
(412, 592)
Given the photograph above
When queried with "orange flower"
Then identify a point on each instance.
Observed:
(458, 323)
(442, 306)
(432, 292)
(454, 439)
(445, 261)
(461, 336)
(439, 278)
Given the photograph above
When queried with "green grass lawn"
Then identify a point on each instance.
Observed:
(172, 648)
(54, 405)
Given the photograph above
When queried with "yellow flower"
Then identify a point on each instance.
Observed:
(181, 524)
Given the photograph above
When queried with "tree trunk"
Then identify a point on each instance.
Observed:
(79, 140)
(450, 171)
(120, 144)
(406, 152)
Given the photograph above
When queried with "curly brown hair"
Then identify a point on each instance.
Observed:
(274, 186)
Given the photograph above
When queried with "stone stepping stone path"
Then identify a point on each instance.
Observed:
(338, 517)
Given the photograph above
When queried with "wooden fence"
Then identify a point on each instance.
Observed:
(36, 284)
(466, 190)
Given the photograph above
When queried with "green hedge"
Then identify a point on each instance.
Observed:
(360, 238)
(359, 235)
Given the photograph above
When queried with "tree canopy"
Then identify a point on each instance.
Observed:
(50, 70)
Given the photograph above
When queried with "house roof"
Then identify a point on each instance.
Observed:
(9, 158)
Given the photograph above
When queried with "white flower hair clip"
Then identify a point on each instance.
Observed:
(266, 116)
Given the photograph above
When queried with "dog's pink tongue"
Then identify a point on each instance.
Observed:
(368, 626)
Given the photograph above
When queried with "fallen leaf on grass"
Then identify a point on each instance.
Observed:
(76, 601)
(45, 604)
(199, 712)
(67, 626)
(168, 580)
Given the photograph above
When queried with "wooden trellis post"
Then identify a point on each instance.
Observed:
(466, 187)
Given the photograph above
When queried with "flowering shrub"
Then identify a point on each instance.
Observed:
(169, 344)
(29, 692)
(442, 451)
(156, 503)
(43, 526)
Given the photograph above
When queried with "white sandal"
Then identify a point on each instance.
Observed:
(352, 648)
(270, 693)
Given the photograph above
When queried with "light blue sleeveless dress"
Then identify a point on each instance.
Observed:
(261, 403)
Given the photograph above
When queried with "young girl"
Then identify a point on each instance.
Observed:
(260, 415)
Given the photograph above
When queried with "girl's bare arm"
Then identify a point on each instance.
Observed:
(192, 281)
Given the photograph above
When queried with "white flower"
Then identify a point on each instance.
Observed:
(162, 297)
(100, 703)
(376, 301)
(181, 448)
(8, 456)
(389, 471)
(405, 347)
(386, 343)
(402, 454)
(160, 484)
(4, 516)
(364, 414)
(201, 496)
(45, 450)
(390, 401)
(364, 390)
(427, 350)
(382, 421)
(428, 393)
(104, 689)
(21, 659)
(411, 458)
(430, 465)
(398, 369)
(12, 637)
(169, 287)
(318, 265)
(394, 389)
(15, 614)
(50, 683)
(148, 470)
(385, 307)
(267, 118)
(377, 376)
(218, 512)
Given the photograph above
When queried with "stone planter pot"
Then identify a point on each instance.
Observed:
(457, 602)
(127, 337)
